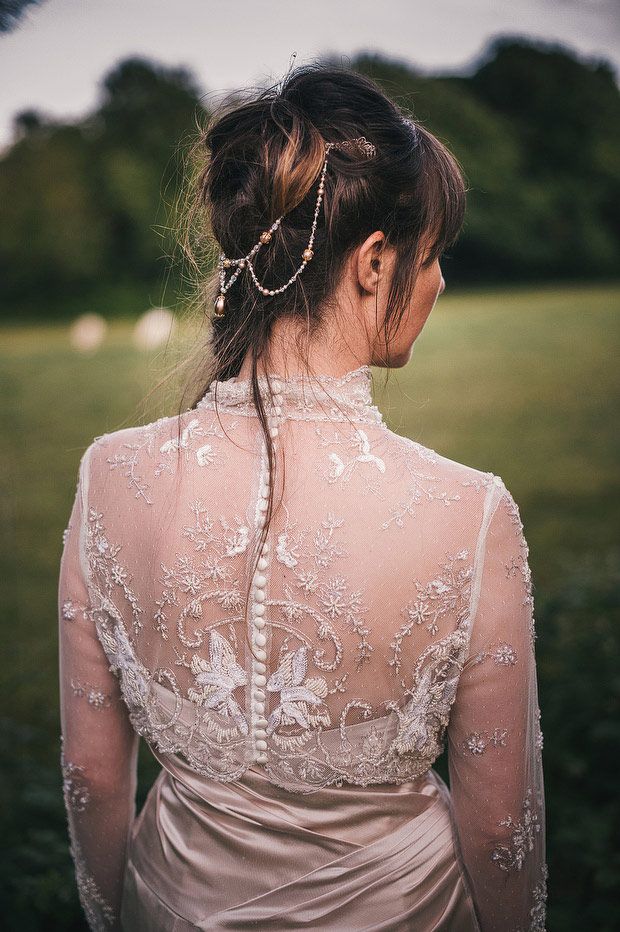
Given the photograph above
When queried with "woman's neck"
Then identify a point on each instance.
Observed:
(333, 355)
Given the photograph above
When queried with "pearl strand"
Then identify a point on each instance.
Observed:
(361, 144)
(308, 252)
(246, 261)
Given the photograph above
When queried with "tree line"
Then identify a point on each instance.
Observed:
(535, 128)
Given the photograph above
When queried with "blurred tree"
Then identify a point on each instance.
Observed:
(11, 11)
(80, 201)
(538, 133)
(53, 233)
(566, 112)
(536, 130)
(146, 105)
(145, 113)
(27, 122)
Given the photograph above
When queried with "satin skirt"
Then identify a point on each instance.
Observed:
(233, 857)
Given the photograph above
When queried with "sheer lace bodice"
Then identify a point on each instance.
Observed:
(391, 613)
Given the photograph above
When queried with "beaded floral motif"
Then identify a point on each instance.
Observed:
(103, 562)
(346, 398)
(511, 857)
(425, 716)
(356, 450)
(208, 577)
(520, 566)
(502, 654)
(218, 678)
(192, 433)
(69, 610)
(133, 453)
(325, 547)
(422, 486)
(99, 914)
(74, 787)
(308, 551)
(77, 797)
(538, 912)
(447, 595)
(301, 697)
(477, 742)
(539, 734)
(95, 697)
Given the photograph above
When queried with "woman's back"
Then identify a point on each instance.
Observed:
(391, 611)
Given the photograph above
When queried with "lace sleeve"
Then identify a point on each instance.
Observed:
(495, 741)
(99, 745)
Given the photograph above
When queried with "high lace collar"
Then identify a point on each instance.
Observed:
(317, 397)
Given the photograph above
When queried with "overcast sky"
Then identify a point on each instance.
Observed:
(55, 58)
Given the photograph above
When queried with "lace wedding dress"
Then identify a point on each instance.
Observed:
(391, 615)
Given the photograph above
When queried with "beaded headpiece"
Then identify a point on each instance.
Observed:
(360, 144)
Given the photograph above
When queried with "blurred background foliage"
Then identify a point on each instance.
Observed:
(537, 131)
(515, 372)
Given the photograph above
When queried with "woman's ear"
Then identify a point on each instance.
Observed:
(370, 257)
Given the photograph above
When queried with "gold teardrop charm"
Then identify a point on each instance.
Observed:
(220, 304)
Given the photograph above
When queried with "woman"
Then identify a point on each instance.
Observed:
(296, 607)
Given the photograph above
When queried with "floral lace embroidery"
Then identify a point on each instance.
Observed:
(319, 605)
(511, 857)
(218, 678)
(74, 787)
(337, 601)
(420, 724)
(411, 454)
(94, 696)
(425, 717)
(209, 578)
(503, 654)
(232, 542)
(446, 595)
(194, 430)
(102, 556)
(338, 470)
(70, 609)
(477, 742)
(479, 482)
(420, 730)
(99, 914)
(300, 698)
(345, 398)
(76, 794)
(205, 455)
(521, 565)
(539, 734)
(324, 548)
(128, 462)
(539, 909)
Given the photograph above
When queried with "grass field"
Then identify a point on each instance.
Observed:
(525, 384)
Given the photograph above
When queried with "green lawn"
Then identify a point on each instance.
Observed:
(523, 383)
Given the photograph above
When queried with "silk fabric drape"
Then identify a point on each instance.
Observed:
(357, 859)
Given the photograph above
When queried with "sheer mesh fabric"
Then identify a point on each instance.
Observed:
(391, 614)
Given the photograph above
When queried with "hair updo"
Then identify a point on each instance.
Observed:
(261, 156)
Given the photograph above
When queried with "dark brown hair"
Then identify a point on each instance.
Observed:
(259, 157)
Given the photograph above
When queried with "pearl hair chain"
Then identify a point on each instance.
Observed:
(360, 143)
